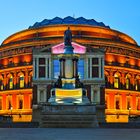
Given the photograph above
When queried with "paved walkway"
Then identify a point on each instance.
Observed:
(68, 134)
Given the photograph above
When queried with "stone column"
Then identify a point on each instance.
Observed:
(37, 69)
(4, 102)
(92, 87)
(86, 68)
(99, 66)
(50, 68)
(35, 94)
(26, 101)
(90, 63)
(14, 101)
(63, 68)
(46, 68)
(26, 78)
(103, 64)
(111, 78)
(124, 101)
(14, 79)
(34, 65)
(75, 68)
(5, 81)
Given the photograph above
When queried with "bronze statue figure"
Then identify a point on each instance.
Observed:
(68, 37)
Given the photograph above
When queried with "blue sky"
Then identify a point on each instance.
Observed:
(122, 15)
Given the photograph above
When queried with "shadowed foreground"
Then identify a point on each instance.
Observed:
(68, 134)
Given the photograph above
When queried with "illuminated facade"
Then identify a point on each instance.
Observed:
(121, 70)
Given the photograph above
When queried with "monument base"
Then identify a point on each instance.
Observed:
(68, 116)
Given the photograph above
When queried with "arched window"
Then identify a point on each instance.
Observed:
(116, 81)
(21, 81)
(1, 83)
(136, 84)
(127, 82)
(11, 82)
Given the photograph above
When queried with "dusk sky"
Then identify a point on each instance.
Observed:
(121, 15)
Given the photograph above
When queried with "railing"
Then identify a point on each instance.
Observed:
(17, 88)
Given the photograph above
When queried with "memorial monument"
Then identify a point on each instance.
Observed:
(68, 89)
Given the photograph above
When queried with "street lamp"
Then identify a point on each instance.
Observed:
(11, 111)
(129, 113)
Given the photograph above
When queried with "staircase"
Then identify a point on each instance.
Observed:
(68, 116)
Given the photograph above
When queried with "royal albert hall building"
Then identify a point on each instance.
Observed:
(121, 66)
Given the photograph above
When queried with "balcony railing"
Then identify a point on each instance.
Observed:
(126, 65)
(11, 65)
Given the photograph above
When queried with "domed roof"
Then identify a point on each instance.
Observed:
(68, 20)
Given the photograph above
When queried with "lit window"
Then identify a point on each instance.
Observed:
(127, 82)
(136, 85)
(1, 84)
(116, 81)
(21, 81)
(11, 82)
(81, 68)
(56, 68)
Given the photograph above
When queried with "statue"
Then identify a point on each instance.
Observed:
(67, 37)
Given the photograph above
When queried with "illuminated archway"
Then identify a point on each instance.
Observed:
(136, 84)
(10, 81)
(1, 82)
(127, 81)
(116, 80)
(21, 81)
(21, 78)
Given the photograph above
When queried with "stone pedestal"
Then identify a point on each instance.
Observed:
(68, 116)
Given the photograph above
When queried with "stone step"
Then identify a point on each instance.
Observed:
(68, 124)
(50, 117)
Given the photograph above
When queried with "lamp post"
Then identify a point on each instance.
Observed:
(11, 111)
(129, 113)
